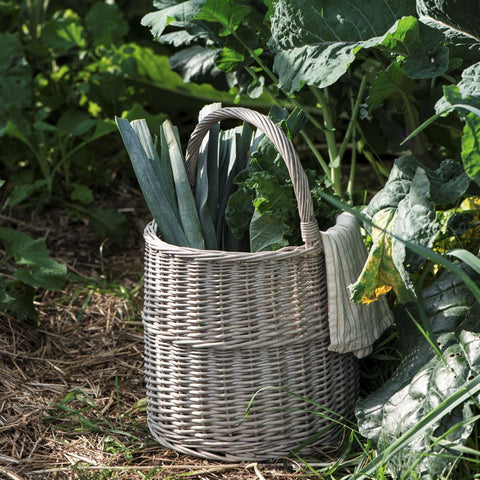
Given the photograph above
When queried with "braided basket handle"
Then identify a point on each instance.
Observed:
(308, 224)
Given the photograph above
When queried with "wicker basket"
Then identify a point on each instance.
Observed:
(222, 326)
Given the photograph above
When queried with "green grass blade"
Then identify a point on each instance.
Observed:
(186, 203)
(162, 169)
(468, 257)
(155, 198)
(430, 120)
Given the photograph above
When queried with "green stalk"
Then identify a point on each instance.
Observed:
(329, 131)
(353, 118)
(353, 167)
(318, 155)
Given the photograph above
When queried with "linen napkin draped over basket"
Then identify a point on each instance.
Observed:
(223, 327)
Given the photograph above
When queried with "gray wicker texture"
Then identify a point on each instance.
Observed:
(221, 327)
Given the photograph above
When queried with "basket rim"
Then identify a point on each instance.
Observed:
(152, 239)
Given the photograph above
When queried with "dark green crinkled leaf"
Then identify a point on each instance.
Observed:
(458, 21)
(465, 98)
(266, 232)
(405, 209)
(318, 40)
(265, 190)
(448, 183)
(423, 380)
(416, 221)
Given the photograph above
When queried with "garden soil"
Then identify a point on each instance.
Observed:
(72, 394)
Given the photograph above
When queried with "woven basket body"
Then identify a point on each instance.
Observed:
(224, 327)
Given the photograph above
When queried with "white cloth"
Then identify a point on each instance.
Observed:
(353, 327)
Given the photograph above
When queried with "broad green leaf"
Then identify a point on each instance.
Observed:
(64, 33)
(448, 183)
(405, 208)
(24, 191)
(229, 59)
(227, 14)
(318, 40)
(394, 417)
(18, 298)
(466, 92)
(465, 98)
(416, 221)
(196, 64)
(266, 233)
(157, 69)
(15, 83)
(105, 23)
(81, 193)
(392, 84)
(38, 269)
(171, 13)
(75, 122)
(458, 21)
(109, 223)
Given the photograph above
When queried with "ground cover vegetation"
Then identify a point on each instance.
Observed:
(388, 88)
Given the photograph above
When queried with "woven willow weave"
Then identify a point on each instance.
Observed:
(221, 327)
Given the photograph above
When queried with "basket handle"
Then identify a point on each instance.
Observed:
(308, 223)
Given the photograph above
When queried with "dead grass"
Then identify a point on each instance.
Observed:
(71, 388)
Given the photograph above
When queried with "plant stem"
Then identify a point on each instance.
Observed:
(353, 118)
(353, 166)
(317, 154)
(329, 131)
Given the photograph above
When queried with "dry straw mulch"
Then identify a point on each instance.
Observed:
(71, 388)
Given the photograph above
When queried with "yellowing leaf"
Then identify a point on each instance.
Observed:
(379, 274)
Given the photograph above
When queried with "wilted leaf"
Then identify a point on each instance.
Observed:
(380, 274)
